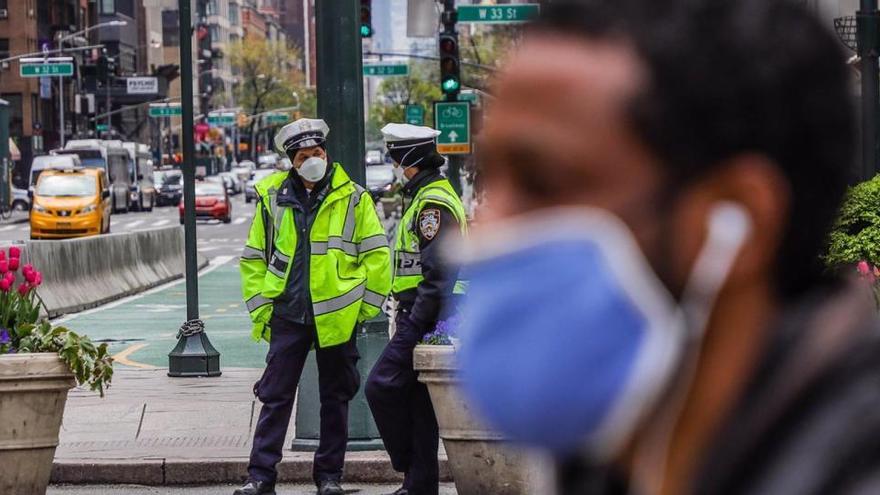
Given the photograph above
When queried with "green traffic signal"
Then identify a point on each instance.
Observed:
(366, 31)
(450, 85)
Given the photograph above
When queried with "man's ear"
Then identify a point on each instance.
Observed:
(755, 182)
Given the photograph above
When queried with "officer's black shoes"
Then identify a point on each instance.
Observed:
(330, 487)
(400, 491)
(252, 487)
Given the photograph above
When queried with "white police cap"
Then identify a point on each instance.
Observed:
(303, 133)
(407, 134)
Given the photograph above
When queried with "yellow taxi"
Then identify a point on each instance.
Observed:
(70, 203)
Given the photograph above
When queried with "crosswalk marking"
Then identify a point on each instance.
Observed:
(8, 228)
(161, 223)
(240, 220)
(134, 224)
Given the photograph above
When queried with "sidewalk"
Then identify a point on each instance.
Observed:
(154, 430)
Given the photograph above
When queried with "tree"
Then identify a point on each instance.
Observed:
(487, 46)
(420, 87)
(269, 77)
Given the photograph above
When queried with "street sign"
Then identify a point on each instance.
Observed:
(165, 111)
(508, 14)
(102, 127)
(222, 119)
(142, 85)
(277, 118)
(43, 70)
(415, 115)
(384, 70)
(453, 120)
(468, 95)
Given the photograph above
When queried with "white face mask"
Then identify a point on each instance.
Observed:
(313, 169)
(398, 173)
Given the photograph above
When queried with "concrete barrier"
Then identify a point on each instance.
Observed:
(79, 274)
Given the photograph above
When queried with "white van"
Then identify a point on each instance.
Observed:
(113, 159)
(51, 161)
(140, 169)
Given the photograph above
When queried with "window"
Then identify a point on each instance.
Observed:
(215, 33)
(170, 28)
(3, 4)
(233, 14)
(4, 47)
(213, 8)
(108, 6)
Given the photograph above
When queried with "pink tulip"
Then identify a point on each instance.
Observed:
(13, 264)
(24, 288)
(5, 285)
(2, 255)
(30, 276)
(38, 280)
(863, 267)
(14, 252)
(4, 266)
(10, 276)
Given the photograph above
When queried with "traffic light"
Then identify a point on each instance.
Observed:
(366, 18)
(450, 65)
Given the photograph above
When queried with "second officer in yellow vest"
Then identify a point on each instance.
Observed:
(316, 264)
(425, 287)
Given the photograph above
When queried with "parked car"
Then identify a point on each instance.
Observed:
(212, 202)
(250, 192)
(169, 183)
(71, 203)
(140, 169)
(244, 173)
(380, 181)
(268, 160)
(113, 159)
(21, 200)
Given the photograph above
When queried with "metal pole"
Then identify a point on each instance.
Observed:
(868, 22)
(341, 82)
(61, 108)
(194, 355)
(455, 161)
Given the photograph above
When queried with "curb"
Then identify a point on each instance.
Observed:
(162, 472)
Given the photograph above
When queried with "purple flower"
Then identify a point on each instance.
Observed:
(4, 336)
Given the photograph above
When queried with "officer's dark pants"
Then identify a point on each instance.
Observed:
(338, 381)
(403, 412)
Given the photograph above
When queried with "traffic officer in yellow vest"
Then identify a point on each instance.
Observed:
(316, 264)
(425, 287)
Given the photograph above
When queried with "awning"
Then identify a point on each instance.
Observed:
(14, 153)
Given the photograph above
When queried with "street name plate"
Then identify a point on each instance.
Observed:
(453, 120)
(507, 14)
(415, 115)
(42, 70)
(102, 127)
(384, 70)
(169, 111)
(277, 118)
(226, 119)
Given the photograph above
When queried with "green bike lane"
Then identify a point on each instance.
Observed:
(141, 330)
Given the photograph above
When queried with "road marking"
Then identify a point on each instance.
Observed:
(161, 223)
(8, 228)
(122, 357)
(215, 264)
(133, 224)
(239, 220)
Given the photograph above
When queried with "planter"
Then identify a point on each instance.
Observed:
(33, 391)
(480, 460)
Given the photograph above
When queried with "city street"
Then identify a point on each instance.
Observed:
(445, 489)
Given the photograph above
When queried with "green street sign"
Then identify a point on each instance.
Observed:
(222, 120)
(166, 111)
(277, 118)
(384, 70)
(493, 14)
(102, 127)
(415, 115)
(453, 120)
(469, 96)
(44, 70)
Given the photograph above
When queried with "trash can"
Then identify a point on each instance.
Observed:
(372, 337)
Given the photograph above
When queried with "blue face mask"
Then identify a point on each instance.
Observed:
(568, 337)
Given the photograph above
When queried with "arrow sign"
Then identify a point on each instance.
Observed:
(453, 120)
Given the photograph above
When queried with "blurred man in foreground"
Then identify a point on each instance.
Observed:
(647, 299)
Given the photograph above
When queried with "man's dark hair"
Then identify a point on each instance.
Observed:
(728, 77)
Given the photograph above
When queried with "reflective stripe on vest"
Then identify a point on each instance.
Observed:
(256, 303)
(407, 259)
(250, 253)
(340, 302)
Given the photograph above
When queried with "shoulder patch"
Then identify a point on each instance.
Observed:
(429, 223)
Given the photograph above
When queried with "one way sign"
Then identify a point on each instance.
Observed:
(453, 120)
